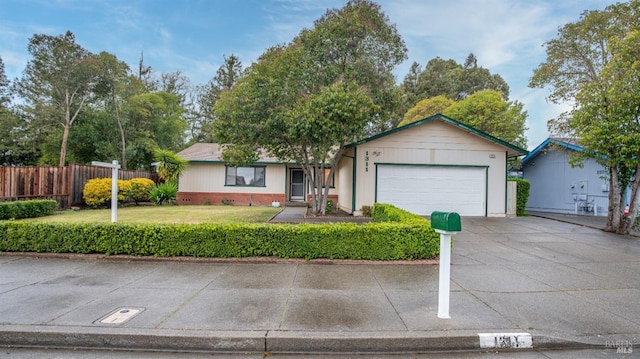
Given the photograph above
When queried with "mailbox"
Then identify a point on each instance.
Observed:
(446, 221)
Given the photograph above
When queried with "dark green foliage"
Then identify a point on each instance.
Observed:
(383, 241)
(27, 209)
(522, 194)
(330, 207)
(371, 241)
(164, 193)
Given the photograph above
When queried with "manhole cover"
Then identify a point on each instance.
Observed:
(120, 315)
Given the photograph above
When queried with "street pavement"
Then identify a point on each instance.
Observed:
(563, 285)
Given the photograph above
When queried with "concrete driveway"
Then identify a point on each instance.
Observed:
(563, 284)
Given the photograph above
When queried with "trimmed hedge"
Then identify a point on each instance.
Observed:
(522, 194)
(383, 212)
(372, 241)
(27, 209)
(383, 241)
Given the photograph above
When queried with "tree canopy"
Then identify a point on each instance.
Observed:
(305, 100)
(450, 79)
(425, 108)
(57, 83)
(76, 106)
(226, 77)
(594, 64)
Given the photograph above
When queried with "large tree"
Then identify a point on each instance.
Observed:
(114, 87)
(425, 108)
(450, 79)
(15, 145)
(304, 101)
(4, 87)
(57, 83)
(226, 77)
(155, 120)
(594, 65)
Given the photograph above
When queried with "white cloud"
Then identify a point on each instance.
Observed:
(495, 31)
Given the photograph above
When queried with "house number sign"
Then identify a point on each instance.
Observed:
(366, 161)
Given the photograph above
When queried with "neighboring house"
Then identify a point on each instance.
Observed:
(559, 188)
(433, 164)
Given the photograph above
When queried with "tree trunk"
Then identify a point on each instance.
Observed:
(614, 199)
(633, 203)
(67, 127)
(63, 146)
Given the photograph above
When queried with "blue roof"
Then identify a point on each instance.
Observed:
(546, 143)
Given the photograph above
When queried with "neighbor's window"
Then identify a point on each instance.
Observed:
(245, 176)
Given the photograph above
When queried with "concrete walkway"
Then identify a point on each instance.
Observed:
(560, 284)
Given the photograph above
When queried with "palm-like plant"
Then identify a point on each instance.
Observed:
(170, 166)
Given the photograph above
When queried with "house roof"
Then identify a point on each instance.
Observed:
(512, 151)
(212, 152)
(563, 142)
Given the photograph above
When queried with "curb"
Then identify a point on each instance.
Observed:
(286, 342)
(136, 339)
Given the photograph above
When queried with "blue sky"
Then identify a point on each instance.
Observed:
(193, 35)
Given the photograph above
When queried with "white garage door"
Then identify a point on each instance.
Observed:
(424, 189)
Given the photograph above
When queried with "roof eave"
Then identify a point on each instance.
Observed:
(512, 151)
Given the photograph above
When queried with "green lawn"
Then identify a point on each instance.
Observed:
(167, 214)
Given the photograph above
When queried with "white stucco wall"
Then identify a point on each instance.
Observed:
(210, 177)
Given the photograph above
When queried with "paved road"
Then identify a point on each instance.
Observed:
(566, 285)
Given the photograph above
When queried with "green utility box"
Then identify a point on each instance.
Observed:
(446, 221)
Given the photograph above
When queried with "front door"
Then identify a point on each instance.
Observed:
(296, 178)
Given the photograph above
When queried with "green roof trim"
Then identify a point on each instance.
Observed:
(259, 163)
(451, 121)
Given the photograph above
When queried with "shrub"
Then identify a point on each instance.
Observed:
(329, 208)
(371, 241)
(139, 189)
(164, 193)
(27, 209)
(383, 212)
(97, 191)
(522, 195)
(401, 236)
(367, 211)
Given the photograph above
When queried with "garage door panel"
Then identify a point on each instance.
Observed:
(424, 189)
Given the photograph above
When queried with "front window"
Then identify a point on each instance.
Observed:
(245, 176)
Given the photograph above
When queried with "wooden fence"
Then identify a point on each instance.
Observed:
(64, 184)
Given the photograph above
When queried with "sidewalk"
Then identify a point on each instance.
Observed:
(563, 284)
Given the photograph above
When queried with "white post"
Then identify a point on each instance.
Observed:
(114, 186)
(114, 191)
(445, 274)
